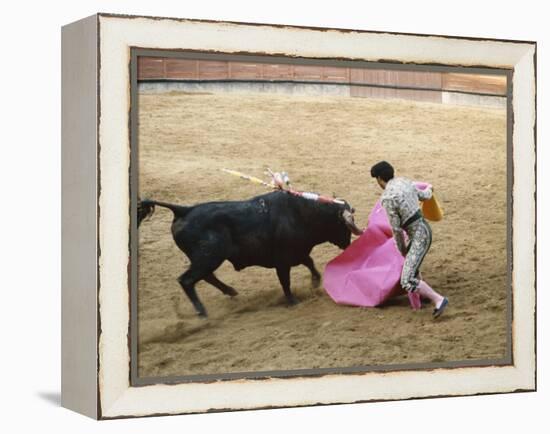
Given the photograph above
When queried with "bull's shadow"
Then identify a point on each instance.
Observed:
(252, 300)
(274, 230)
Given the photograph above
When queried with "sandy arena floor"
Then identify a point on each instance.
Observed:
(327, 144)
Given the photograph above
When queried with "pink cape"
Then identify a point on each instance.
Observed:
(368, 272)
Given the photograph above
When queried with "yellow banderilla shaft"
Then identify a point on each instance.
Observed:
(248, 178)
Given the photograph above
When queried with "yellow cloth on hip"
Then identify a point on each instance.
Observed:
(431, 209)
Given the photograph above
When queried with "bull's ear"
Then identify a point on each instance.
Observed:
(342, 216)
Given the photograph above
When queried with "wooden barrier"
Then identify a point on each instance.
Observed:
(364, 82)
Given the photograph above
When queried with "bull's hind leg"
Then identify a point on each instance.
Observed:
(204, 262)
(283, 273)
(226, 289)
(187, 281)
(315, 275)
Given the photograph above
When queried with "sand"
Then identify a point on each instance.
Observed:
(327, 144)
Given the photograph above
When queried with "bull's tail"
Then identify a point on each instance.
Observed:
(146, 208)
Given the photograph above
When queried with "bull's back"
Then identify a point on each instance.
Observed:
(260, 231)
(234, 223)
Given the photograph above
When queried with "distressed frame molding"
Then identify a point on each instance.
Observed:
(96, 152)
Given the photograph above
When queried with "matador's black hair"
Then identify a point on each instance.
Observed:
(383, 169)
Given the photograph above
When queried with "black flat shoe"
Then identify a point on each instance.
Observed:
(437, 312)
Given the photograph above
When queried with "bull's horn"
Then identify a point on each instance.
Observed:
(350, 223)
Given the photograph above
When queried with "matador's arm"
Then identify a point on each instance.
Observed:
(395, 222)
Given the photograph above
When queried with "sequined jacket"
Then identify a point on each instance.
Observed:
(400, 200)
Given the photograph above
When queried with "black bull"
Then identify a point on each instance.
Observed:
(275, 230)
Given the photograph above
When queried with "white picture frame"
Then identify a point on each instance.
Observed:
(96, 136)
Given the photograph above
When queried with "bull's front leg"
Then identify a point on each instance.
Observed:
(315, 275)
(283, 273)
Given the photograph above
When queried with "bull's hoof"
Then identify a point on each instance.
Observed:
(231, 292)
(315, 281)
(202, 313)
(292, 301)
